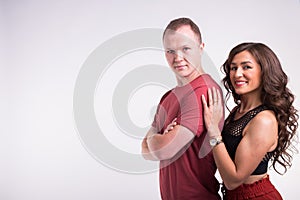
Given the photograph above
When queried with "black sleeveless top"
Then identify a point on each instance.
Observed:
(232, 136)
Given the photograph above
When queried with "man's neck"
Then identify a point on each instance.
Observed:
(182, 81)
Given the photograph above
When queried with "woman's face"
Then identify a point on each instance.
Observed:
(245, 74)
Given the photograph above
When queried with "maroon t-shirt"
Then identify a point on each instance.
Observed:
(188, 175)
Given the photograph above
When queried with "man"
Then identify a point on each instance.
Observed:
(178, 132)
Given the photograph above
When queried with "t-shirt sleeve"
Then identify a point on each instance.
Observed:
(191, 111)
(160, 116)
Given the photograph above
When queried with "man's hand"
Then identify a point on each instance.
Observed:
(171, 126)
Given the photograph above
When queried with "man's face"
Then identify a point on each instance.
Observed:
(183, 51)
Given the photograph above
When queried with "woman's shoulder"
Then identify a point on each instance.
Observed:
(264, 120)
(265, 117)
(263, 129)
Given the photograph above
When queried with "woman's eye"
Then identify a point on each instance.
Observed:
(233, 68)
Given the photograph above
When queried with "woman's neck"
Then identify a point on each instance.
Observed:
(245, 106)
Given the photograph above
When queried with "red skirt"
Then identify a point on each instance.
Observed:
(260, 190)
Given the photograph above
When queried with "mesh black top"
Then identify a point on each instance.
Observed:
(232, 135)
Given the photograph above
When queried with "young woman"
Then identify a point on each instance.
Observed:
(259, 130)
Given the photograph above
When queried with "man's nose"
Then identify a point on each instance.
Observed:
(178, 56)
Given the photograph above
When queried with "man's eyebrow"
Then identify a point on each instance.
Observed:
(181, 46)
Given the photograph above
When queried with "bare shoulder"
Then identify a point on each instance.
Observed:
(264, 122)
(265, 118)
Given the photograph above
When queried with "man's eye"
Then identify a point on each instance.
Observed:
(186, 48)
(170, 51)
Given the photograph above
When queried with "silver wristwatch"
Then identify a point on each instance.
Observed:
(215, 141)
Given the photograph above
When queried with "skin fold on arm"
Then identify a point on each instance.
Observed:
(165, 146)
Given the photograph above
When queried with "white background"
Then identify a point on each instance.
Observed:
(43, 45)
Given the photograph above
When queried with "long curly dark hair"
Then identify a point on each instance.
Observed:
(275, 95)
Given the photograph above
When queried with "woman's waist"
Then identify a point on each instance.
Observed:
(254, 178)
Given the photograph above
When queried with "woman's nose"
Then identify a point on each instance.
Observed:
(239, 72)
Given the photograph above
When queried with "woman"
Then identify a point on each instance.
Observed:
(259, 129)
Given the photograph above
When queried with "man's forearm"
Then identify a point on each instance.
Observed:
(146, 152)
(166, 146)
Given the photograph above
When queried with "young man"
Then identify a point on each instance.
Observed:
(178, 133)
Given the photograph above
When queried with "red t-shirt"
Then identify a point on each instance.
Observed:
(187, 175)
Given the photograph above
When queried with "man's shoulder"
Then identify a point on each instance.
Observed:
(204, 81)
(165, 95)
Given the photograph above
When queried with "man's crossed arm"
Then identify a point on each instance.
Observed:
(165, 146)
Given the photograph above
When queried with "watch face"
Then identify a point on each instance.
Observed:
(213, 141)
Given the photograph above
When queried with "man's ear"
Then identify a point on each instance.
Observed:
(202, 46)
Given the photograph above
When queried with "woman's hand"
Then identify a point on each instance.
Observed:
(213, 112)
(171, 126)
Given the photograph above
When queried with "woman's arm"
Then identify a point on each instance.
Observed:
(260, 136)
